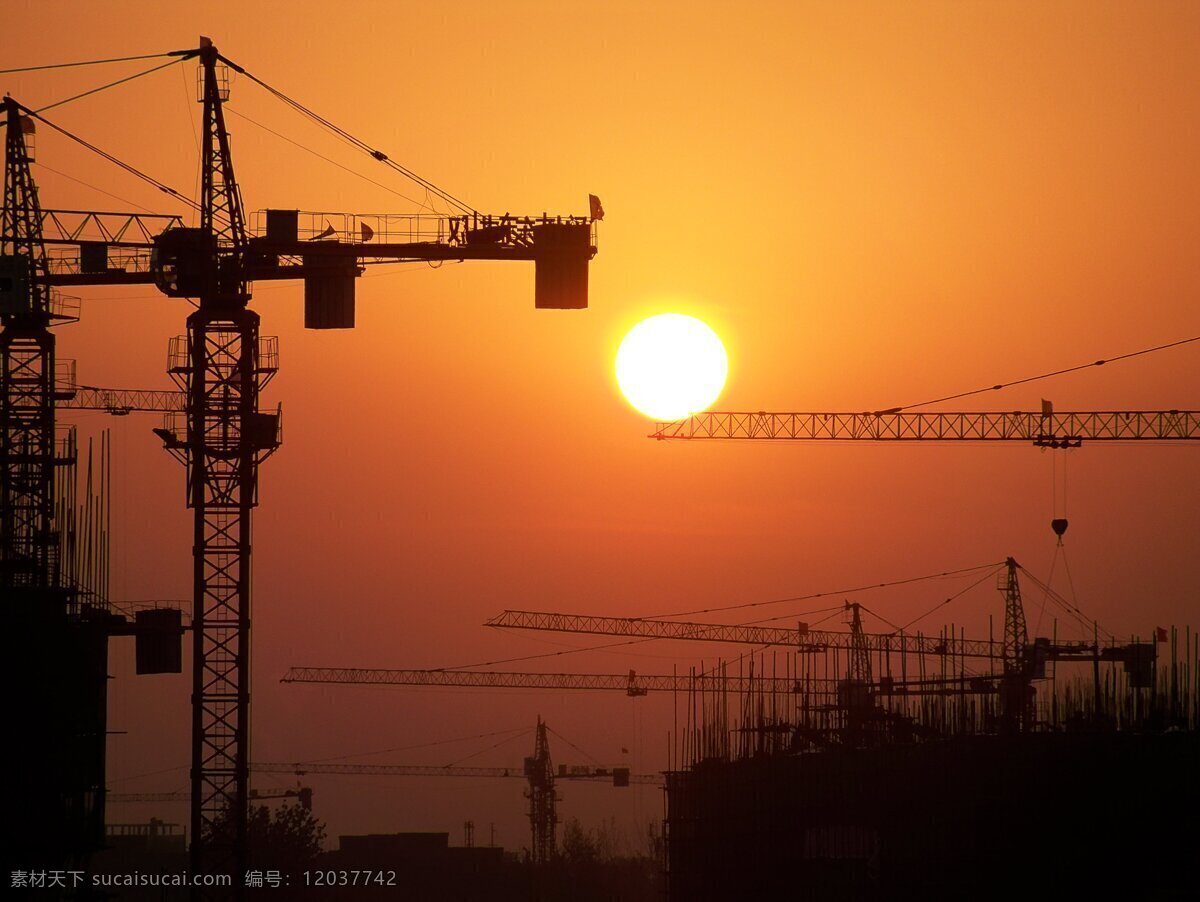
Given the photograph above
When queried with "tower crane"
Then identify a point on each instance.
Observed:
(221, 365)
(1022, 661)
(63, 619)
(537, 770)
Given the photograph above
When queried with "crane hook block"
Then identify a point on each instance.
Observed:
(1059, 525)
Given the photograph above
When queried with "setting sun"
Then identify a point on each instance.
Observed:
(671, 366)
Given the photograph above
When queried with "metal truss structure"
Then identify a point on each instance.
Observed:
(800, 638)
(632, 684)
(590, 774)
(123, 401)
(302, 794)
(28, 545)
(543, 798)
(1045, 430)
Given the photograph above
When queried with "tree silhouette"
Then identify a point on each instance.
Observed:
(289, 840)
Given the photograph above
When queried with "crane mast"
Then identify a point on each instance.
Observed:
(1016, 691)
(27, 364)
(221, 368)
(543, 799)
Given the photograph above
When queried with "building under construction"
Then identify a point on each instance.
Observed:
(890, 768)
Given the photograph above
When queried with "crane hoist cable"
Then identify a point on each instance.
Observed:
(1058, 524)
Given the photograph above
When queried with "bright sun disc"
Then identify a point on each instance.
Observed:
(671, 366)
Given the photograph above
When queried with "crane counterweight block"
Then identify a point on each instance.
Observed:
(329, 291)
(562, 252)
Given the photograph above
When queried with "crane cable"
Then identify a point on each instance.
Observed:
(1073, 610)
(475, 754)
(355, 141)
(583, 752)
(72, 178)
(166, 189)
(419, 745)
(113, 84)
(322, 156)
(851, 591)
(118, 59)
(946, 601)
(1070, 369)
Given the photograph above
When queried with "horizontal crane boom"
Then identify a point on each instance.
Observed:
(420, 770)
(632, 683)
(121, 401)
(120, 248)
(800, 637)
(185, 796)
(1047, 430)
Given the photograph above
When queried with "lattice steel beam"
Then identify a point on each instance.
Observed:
(1053, 430)
(632, 684)
(800, 637)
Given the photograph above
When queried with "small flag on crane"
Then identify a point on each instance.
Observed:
(367, 232)
(1047, 408)
(595, 207)
(1160, 634)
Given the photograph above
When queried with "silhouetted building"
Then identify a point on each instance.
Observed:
(1049, 815)
(426, 866)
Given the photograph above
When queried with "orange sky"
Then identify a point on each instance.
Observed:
(872, 203)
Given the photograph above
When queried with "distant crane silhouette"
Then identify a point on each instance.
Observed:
(537, 770)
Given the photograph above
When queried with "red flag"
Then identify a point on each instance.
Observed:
(1160, 634)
